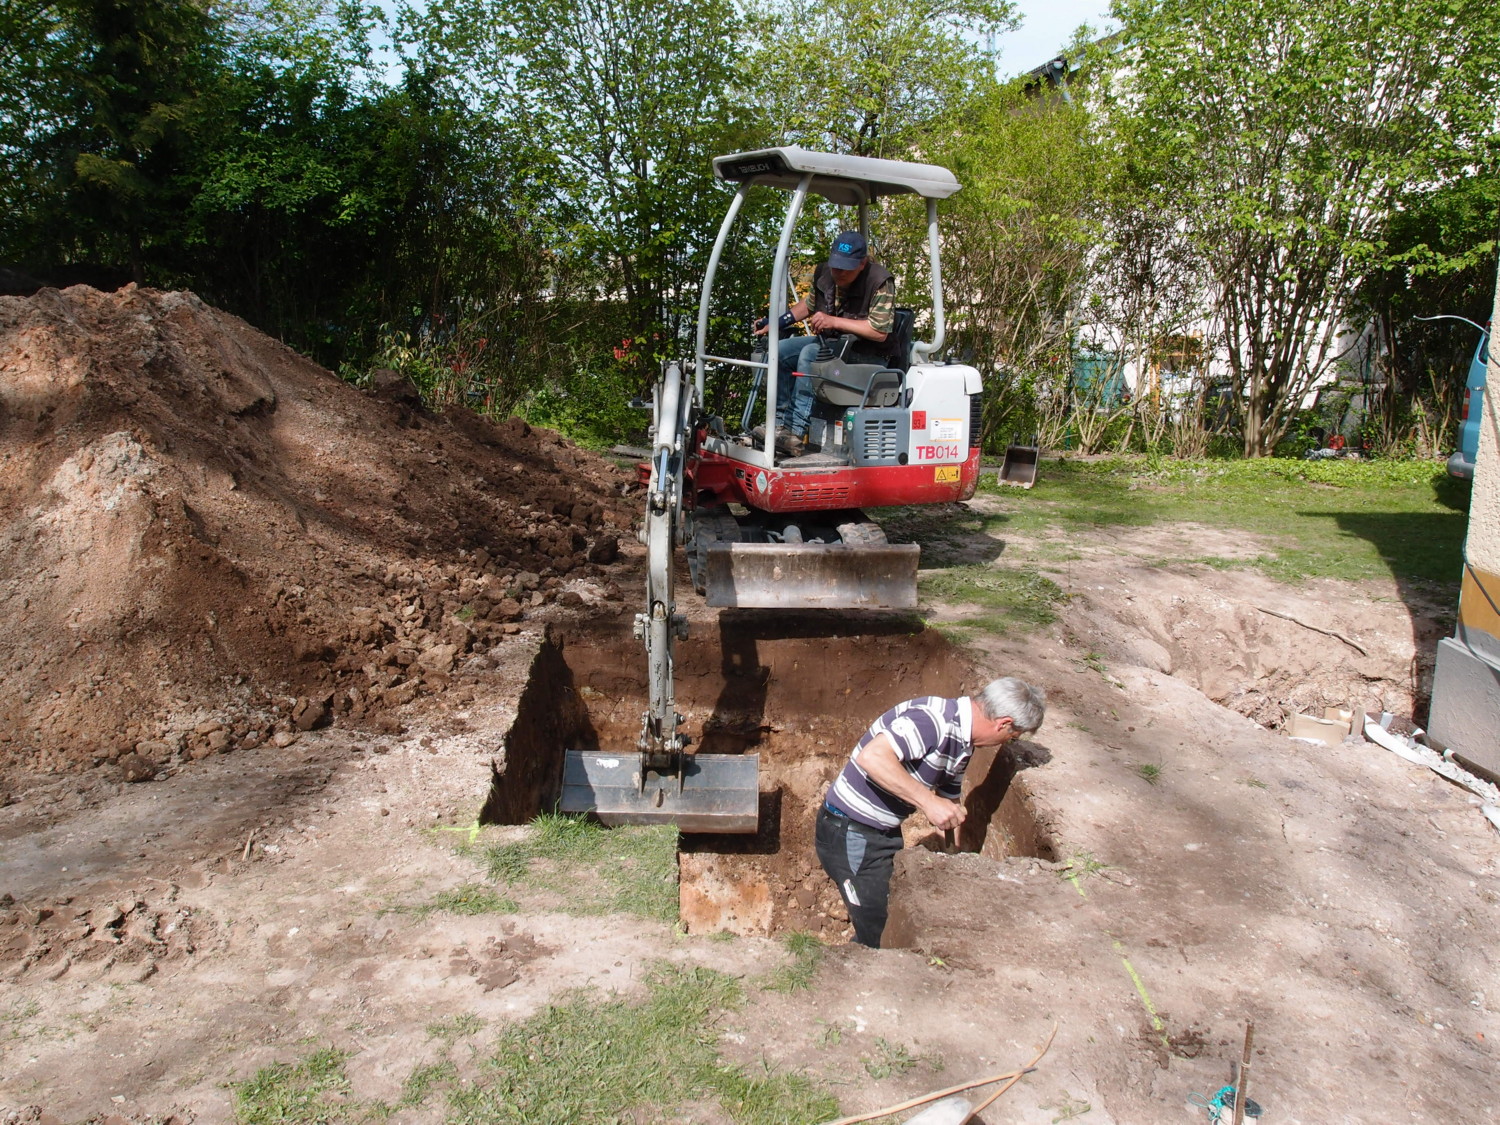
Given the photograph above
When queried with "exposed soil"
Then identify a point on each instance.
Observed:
(798, 690)
(206, 541)
(272, 638)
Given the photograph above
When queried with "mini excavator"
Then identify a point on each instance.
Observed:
(765, 531)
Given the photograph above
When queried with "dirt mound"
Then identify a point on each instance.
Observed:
(207, 541)
(1262, 648)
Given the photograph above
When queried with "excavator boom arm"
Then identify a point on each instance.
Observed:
(661, 782)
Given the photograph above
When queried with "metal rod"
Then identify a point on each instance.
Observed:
(708, 279)
(773, 329)
(736, 362)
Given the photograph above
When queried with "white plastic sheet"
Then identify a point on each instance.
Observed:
(1403, 747)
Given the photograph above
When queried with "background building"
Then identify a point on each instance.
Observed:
(1466, 685)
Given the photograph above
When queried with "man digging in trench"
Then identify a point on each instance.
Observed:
(912, 757)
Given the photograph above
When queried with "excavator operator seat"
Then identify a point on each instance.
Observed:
(844, 383)
(856, 384)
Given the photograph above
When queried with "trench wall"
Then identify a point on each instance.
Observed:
(796, 690)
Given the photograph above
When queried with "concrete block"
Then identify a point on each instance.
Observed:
(1465, 715)
(1330, 731)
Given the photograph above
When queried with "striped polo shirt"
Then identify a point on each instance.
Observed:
(934, 740)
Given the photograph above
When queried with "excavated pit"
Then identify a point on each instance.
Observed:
(799, 690)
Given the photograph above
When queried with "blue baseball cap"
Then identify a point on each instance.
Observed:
(848, 251)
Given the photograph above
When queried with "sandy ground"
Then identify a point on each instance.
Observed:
(162, 939)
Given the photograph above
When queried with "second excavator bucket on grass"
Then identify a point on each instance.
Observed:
(711, 792)
(1019, 467)
(812, 576)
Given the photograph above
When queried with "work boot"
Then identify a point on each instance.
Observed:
(788, 444)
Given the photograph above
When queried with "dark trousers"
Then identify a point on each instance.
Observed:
(859, 859)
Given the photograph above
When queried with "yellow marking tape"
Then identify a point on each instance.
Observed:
(1135, 977)
(471, 829)
(1140, 987)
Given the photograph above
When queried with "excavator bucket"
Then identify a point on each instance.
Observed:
(811, 575)
(713, 792)
(1019, 466)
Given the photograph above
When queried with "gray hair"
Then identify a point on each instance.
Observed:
(1024, 704)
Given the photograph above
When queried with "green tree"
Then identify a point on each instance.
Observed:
(1281, 137)
(873, 77)
(1443, 246)
(1016, 244)
(627, 101)
(97, 119)
(313, 180)
(367, 220)
(614, 110)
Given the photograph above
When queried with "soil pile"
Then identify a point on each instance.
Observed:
(208, 541)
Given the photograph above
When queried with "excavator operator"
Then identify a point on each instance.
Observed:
(851, 294)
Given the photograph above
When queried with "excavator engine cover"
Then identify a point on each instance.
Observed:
(709, 793)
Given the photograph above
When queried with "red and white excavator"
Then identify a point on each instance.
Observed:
(764, 531)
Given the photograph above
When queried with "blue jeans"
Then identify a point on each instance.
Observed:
(794, 397)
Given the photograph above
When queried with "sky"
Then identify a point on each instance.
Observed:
(1046, 26)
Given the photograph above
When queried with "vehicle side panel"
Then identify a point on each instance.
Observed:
(720, 480)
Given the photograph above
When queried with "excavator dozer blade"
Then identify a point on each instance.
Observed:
(715, 793)
(812, 575)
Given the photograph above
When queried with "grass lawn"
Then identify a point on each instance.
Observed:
(590, 1057)
(1351, 520)
(587, 1059)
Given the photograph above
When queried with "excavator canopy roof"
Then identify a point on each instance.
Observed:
(839, 179)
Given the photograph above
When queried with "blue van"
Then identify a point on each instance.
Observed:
(1461, 464)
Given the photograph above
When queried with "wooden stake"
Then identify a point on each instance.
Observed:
(1010, 1078)
(1243, 1078)
(982, 1106)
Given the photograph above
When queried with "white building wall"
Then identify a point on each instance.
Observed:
(1466, 683)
